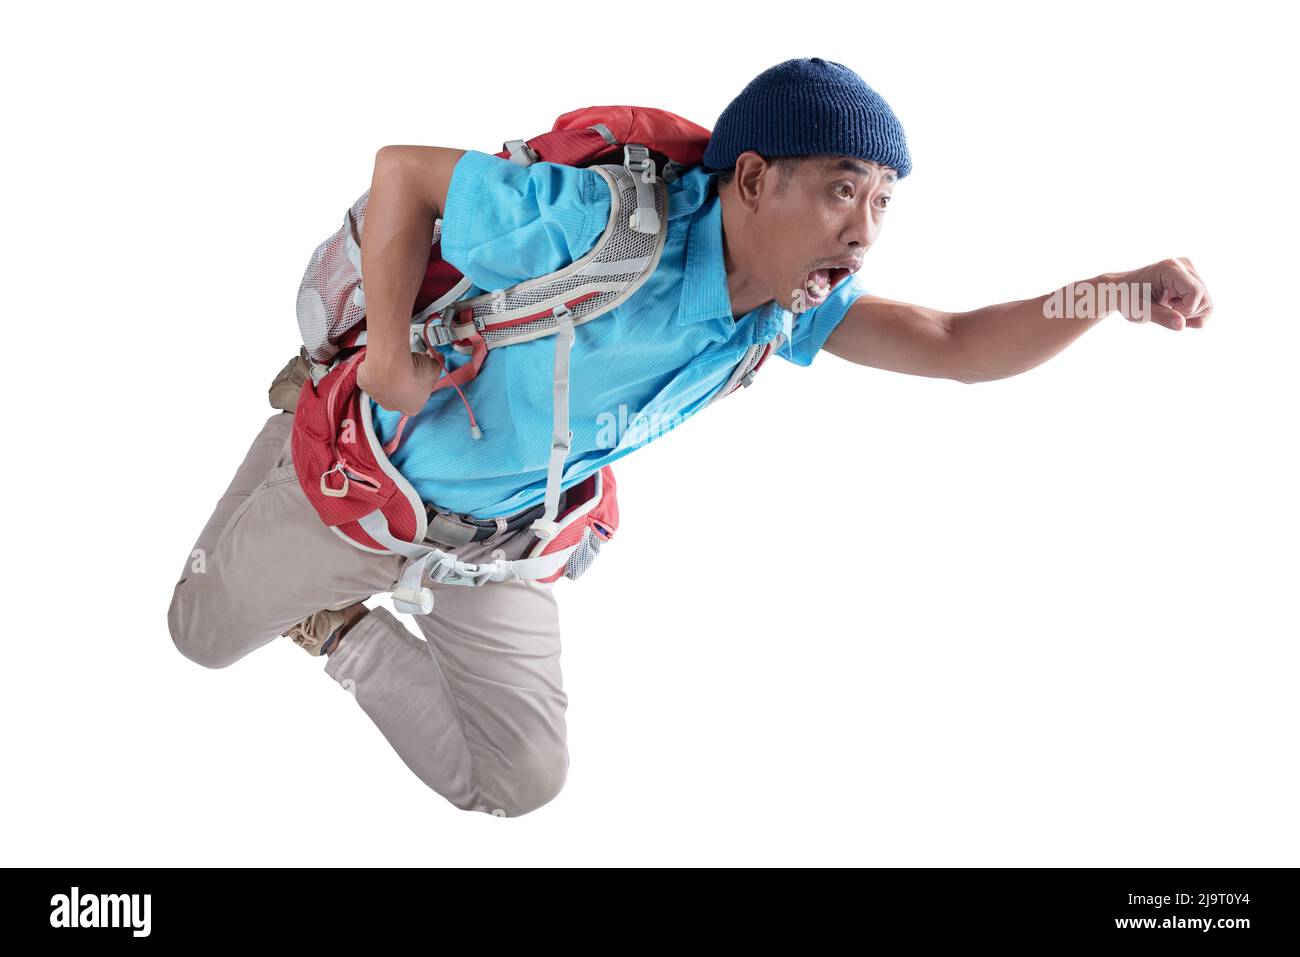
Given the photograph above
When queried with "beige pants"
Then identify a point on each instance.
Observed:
(476, 709)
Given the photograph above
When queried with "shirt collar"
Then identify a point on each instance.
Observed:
(704, 287)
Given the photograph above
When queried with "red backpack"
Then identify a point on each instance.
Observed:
(344, 469)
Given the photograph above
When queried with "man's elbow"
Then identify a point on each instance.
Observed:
(973, 378)
(426, 171)
(964, 369)
(968, 366)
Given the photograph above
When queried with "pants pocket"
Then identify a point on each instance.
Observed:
(278, 476)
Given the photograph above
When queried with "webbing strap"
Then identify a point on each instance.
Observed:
(410, 597)
(439, 304)
(636, 158)
(561, 437)
(617, 268)
(376, 526)
(603, 130)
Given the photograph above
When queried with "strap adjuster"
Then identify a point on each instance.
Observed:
(413, 601)
(441, 335)
(447, 530)
(520, 152)
(449, 317)
(544, 530)
(447, 330)
(636, 158)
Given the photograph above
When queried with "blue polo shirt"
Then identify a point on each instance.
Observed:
(636, 372)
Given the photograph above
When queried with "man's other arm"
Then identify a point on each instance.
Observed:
(899, 337)
(981, 345)
(408, 191)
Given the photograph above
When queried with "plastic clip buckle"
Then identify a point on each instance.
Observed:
(636, 158)
(468, 573)
(441, 334)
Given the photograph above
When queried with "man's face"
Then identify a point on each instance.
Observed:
(811, 235)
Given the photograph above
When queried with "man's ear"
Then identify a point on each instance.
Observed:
(753, 176)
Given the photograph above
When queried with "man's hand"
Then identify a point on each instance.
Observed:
(1174, 295)
(399, 384)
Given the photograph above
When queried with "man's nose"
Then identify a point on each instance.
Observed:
(862, 229)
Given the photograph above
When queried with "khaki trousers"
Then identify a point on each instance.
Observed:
(476, 709)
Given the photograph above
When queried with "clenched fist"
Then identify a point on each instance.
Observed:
(1177, 296)
(400, 384)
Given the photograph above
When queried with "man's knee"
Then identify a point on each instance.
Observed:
(191, 638)
(529, 785)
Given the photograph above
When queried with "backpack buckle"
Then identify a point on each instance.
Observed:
(446, 529)
(435, 333)
(520, 152)
(448, 324)
(636, 159)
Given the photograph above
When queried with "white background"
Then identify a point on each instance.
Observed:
(850, 617)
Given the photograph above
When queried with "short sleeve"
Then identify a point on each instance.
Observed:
(813, 328)
(505, 223)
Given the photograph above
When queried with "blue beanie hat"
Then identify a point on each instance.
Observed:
(806, 107)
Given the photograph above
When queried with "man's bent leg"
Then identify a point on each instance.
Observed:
(481, 720)
(265, 561)
(262, 456)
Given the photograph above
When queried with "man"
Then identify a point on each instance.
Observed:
(764, 239)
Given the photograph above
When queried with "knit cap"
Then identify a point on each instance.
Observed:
(805, 107)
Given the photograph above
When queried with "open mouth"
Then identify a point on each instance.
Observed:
(819, 283)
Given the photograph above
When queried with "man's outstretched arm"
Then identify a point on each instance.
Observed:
(1003, 340)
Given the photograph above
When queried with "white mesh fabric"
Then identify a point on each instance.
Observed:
(331, 300)
(580, 558)
(618, 245)
(328, 303)
(748, 362)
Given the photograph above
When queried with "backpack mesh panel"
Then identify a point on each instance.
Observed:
(330, 301)
(623, 244)
(327, 297)
(580, 558)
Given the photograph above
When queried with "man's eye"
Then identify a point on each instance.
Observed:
(886, 199)
(844, 186)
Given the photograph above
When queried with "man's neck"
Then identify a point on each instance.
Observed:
(743, 288)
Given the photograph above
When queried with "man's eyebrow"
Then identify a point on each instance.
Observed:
(853, 166)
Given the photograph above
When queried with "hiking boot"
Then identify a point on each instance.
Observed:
(314, 633)
(287, 385)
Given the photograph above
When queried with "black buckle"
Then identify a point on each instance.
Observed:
(456, 530)
(446, 529)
